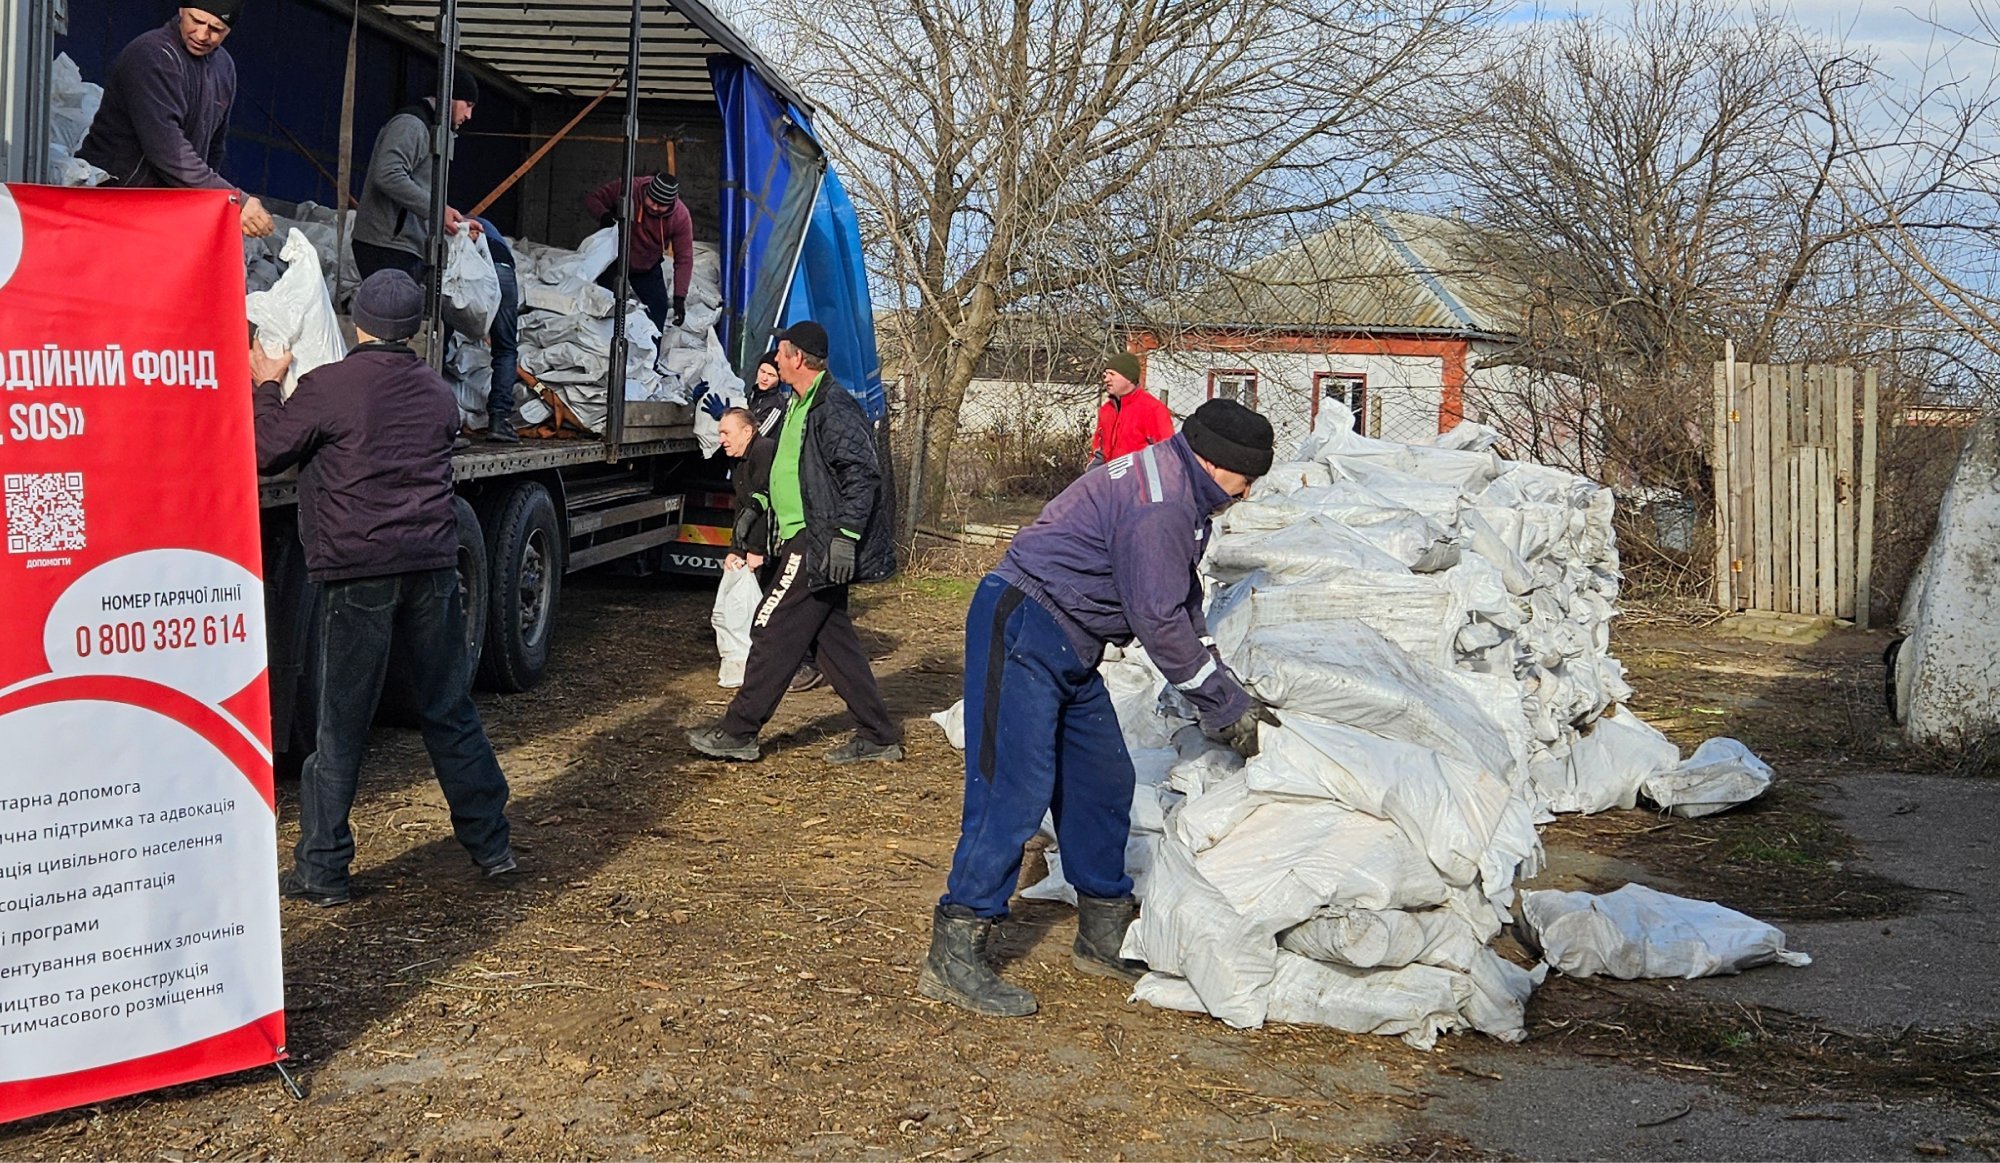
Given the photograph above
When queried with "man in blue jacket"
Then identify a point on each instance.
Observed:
(1111, 559)
(372, 435)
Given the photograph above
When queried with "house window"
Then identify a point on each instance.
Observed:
(1238, 384)
(1350, 388)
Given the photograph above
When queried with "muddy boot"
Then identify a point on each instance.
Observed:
(956, 970)
(1100, 931)
(501, 431)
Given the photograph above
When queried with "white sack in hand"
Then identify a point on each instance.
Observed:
(296, 315)
(471, 287)
(736, 602)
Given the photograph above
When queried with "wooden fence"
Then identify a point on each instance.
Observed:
(1794, 464)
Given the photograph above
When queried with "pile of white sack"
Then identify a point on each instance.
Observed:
(1430, 625)
(73, 104)
(564, 328)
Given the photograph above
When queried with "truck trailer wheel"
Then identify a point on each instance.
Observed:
(524, 543)
(399, 704)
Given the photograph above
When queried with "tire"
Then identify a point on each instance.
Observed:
(399, 703)
(525, 547)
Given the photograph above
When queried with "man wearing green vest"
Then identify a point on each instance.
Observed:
(826, 493)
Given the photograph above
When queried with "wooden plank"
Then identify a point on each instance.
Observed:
(1844, 482)
(1763, 551)
(1784, 490)
(1718, 458)
(1742, 480)
(1864, 538)
(1829, 560)
(1805, 566)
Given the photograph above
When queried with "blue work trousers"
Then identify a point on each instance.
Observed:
(1040, 735)
(505, 337)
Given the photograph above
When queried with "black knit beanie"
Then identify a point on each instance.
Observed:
(663, 190)
(223, 10)
(464, 86)
(1227, 435)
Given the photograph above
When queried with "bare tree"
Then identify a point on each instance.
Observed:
(1092, 158)
(1665, 182)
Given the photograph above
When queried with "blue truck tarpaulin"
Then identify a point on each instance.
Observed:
(791, 242)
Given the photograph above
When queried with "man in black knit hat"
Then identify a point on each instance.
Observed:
(1111, 559)
(392, 229)
(372, 437)
(165, 114)
(661, 225)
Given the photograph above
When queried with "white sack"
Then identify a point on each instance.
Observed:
(1345, 672)
(1639, 932)
(736, 600)
(951, 721)
(469, 368)
(296, 314)
(470, 287)
(1416, 1002)
(73, 104)
(1603, 769)
(1721, 774)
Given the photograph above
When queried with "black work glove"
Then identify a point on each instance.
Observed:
(680, 310)
(840, 561)
(608, 218)
(1241, 735)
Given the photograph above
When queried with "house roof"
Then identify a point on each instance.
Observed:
(1379, 270)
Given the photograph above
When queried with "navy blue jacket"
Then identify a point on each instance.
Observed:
(165, 114)
(372, 434)
(1113, 558)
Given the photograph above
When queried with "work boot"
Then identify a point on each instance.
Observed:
(956, 970)
(859, 750)
(720, 744)
(1100, 932)
(501, 431)
(292, 885)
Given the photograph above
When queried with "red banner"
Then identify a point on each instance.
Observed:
(139, 940)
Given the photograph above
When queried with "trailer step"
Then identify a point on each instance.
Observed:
(597, 519)
(624, 546)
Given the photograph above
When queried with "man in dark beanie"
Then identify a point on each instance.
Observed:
(392, 229)
(1109, 560)
(1130, 417)
(164, 119)
(372, 436)
(831, 530)
(661, 225)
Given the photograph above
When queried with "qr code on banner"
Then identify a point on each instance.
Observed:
(44, 511)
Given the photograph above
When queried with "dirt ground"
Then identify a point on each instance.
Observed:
(716, 960)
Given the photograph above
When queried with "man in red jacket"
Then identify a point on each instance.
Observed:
(1132, 418)
(660, 223)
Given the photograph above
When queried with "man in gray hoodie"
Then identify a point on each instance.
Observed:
(392, 229)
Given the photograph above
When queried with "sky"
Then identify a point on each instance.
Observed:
(1906, 35)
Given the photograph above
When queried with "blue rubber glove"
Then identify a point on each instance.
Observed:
(714, 405)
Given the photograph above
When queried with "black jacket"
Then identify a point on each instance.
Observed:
(372, 436)
(752, 477)
(841, 482)
(165, 114)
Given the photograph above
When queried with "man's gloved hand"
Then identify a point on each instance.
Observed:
(1241, 736)
(714, 405)
(608, 218)
(680, 310)
(840, 560)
